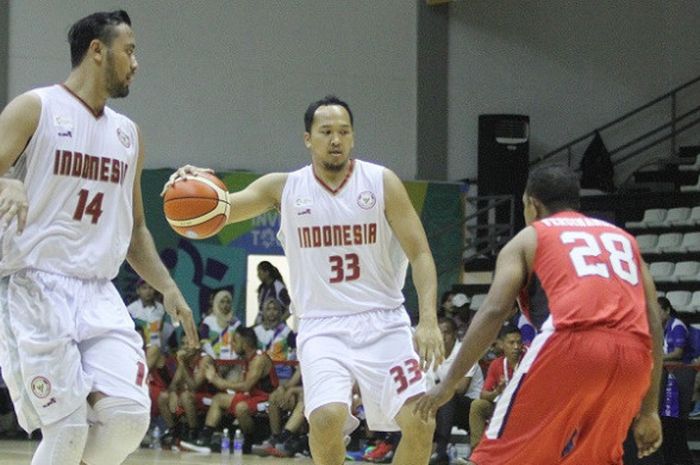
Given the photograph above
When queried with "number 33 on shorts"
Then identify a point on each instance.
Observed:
(406, 374)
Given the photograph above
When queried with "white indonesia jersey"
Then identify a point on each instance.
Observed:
(343, 256)
(78, 170)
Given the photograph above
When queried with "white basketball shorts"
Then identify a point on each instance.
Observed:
(374, 349)
(62, 338)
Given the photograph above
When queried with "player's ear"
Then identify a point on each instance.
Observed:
(307, 140)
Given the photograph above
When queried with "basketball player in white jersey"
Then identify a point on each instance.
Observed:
(71, 211)
(349, 230)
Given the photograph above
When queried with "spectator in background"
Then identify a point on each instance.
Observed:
(216, 329)
(288, 397)
(445, 303)
(275, 337)
(242, 397)
(148, 315)
(675, 446)
(499, 375)
(457, 308)
(271, 287)
(456, 411)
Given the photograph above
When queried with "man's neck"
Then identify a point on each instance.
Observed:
(270, 324)
(513, 360)
(89, 91)
(332, 178)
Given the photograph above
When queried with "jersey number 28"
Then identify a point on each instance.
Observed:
(585, 255)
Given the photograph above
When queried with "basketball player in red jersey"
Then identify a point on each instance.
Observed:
(70, 213)
(595, 367)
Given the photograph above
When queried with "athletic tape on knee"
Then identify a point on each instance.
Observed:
(119, 427)
(63, 441)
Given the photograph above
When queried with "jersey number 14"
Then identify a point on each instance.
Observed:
(93, 208)
(585, 256)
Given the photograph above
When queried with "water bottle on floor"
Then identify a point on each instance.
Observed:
(155, 438)
(238, 447)
(225, 447)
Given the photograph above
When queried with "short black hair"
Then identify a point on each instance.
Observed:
(327, 100)
(248, 336)
(556, 186)
(508, 329)
(666, 305)
(98, 25)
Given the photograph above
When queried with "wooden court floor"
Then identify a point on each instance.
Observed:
(20, 453)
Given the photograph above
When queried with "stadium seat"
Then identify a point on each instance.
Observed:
(695, 301)
(680, 300)
(690, 242)
(694, 217)
(647, 242)
(652, 218)
(687, 271)
(692, 188)
(476, 302)
(692, 167)
(669, 242)
(662, 272)
(676, 216)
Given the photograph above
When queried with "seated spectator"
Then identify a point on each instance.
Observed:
(239, 398)
(216, 329)
(148, 315)
(457, 308)
(271, 287)
(499, 374)
(276, 338)
(675, 446)
(170, 394)
(456, 411)
(288, 397)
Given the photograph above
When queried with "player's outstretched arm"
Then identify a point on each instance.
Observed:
(260, 196)
(143, 258)
(512, 272)
(18, 122)
(409, 231)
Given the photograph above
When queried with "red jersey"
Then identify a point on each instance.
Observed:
(499, 369)
(586, 274)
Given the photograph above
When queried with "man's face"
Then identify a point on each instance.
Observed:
(512, 345)
(120, 62)
(331, 138)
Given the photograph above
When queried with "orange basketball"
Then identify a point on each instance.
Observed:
(197, 206)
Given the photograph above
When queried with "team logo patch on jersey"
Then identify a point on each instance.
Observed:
(123, 138)
(41, 387)
(303, 202)
(366, 200)
(64, 125)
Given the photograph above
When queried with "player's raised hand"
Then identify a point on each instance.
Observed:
(427, 405)
(13, 203)
(187, 170)
(429, 344)
(647, 434)
(180, 312)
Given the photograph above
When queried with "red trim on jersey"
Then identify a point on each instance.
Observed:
(342, 184)
(92, 111)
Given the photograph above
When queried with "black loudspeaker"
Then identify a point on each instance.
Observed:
(503, 160)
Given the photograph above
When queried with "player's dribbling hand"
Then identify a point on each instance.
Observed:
(647, 434)
(429, 344)
(428, 404)
(13, 203)
(179, 311)
(187, 170)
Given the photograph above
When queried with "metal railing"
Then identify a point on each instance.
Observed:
(676, 124)
(485, 230)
